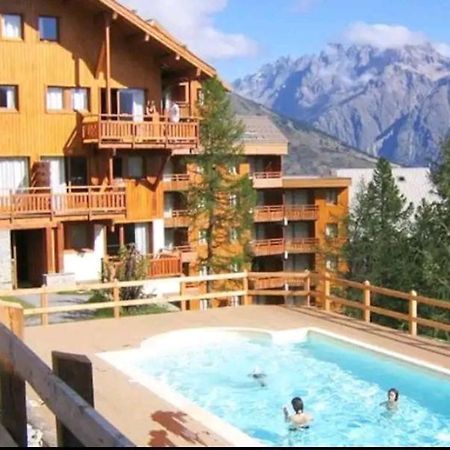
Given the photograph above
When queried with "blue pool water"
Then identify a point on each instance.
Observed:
(342, 386)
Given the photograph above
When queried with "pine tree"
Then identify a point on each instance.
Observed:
(377, 248)
(221, 201)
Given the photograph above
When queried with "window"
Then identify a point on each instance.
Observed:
(80, 99)
(235, 267)
(200, 96)
(233, 235)
(12, 26)
(202, 237)
(55, 99)
(331, 263)
(232, 169)
(235, 301)
(8, 97)
(331, 196)
(204, 304)
(136, 166)
(233, 200)
(331, 230)
(79, 236)
(67, 99)
(203, 271)
(48, 28)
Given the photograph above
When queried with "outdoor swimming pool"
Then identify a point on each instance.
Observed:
(342, 386)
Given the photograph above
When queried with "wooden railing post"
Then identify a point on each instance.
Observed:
(12, 387)
(116, 299)
(76, 372)
(326, 291)
(247, 299)
(308, 287)
(367, 301)
(413, 314)
(44, 304)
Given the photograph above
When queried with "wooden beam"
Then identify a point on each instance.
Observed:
(76, 372)
(60, 248)
(49, 251)
(108, 63)
(12, 386)
(168, 59)
(88, 425)
(137, 38)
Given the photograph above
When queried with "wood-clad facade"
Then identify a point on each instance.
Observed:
(85, 93)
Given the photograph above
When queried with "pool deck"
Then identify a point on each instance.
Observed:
(147, 419)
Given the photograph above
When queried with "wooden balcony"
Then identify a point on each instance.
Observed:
(263, 180)
(268, 283)
(85, 202)
(176, 182)
(273, 213)
(188, 254)
(301, 245)
(122, 131)
(166, 266)
(266, 247)
(176, 218)
(301, 212)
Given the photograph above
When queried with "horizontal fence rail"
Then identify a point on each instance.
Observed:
(325, 291)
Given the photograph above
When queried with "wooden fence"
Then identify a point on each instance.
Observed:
(79, 424)
(323, 291)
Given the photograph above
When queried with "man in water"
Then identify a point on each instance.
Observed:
(300, 419)
(258, 375)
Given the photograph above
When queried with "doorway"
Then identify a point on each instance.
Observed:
(29, 255)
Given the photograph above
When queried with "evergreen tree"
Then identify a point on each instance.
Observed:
(220, 200)
(378, 233)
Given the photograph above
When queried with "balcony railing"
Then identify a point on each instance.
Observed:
(188, 254)
(277, 213)
(301, 245)
(278, 246)
(263, 180)
(176, 218)
(301, 212)
(176, 181)
(164, 266)
(266, 247)
(77, 201)
(125, 131)
(274, 213)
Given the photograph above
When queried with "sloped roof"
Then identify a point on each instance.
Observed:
(159, 34)
(260, 129)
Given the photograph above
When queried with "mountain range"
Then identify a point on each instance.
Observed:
(311, 152)
(391, 102)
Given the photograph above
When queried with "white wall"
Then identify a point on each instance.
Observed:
(163, 287)
(87, 266)
(5, 260)
(158, 235)
(414, 182)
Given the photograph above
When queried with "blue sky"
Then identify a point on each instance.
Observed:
(238, 36)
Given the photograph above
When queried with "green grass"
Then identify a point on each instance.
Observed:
(25, 304)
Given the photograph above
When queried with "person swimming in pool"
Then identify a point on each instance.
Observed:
(392, 402)
(258, 375)
(300, 419)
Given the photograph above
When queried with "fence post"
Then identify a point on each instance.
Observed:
(116, 299)
(308, 287)
(326, 291)
(76, 372)
(12, 387)
(367, 301)
(413, 313)
(44, 304)
(246, 299)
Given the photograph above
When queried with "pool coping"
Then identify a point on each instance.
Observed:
(220, 427)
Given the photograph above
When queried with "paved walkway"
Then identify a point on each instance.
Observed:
(147, 419)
